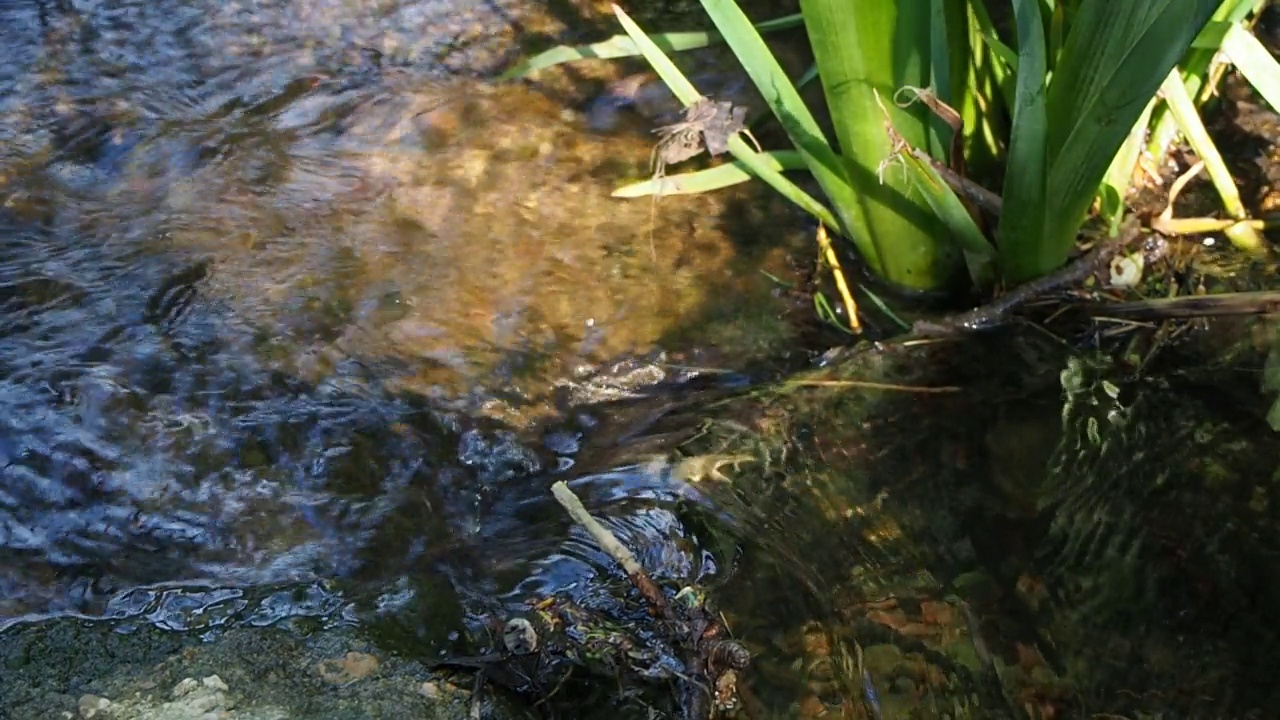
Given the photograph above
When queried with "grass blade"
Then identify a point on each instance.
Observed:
(658, 60)
(1183, 110)
(1254, 62)
(783, 98)
(1119, 176)
(716, 178)
(621, 46)
(1002, 52)
(942, 199)
(1196, 66)
(1022, 223)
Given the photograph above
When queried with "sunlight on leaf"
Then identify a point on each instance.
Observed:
(715, 178)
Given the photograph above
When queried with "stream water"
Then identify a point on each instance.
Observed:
(300, 316)
(273, 271)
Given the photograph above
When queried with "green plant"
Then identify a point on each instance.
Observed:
(1055, 112)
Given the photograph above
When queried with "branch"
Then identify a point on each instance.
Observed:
(616, 550)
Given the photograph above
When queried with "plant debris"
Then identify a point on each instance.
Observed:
(706, 126)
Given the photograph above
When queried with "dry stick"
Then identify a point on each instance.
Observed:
(850, 306)
(998, 311)
(978, 195)
(1243, 303)
(616, 550)
(1161, 223)
(636, 574)
(868, 385)
(943, 112)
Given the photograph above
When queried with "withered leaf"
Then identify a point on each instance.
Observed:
(727, 122)
(706, 125)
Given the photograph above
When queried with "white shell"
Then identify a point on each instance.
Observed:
(1126, 271)
(519, 636)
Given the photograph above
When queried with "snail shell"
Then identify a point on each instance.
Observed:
(519, 636)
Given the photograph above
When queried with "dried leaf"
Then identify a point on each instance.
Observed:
(706, 125)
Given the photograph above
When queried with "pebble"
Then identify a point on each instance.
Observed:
(92, 706)
(351, 667)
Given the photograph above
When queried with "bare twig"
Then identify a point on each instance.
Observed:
(998, 311)
(867, 385)
(616, 550)
(1242, 303)
(986, 200)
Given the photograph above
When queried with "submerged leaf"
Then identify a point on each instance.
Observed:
(706, 125)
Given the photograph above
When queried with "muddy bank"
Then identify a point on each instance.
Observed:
(70, 670)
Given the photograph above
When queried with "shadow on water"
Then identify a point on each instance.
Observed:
(1057, 537)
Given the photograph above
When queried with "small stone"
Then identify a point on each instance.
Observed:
(882, 660)
(353, 666)
(202, 704)
(186, 687)
(213, 682)
(430, 690)
(92, 706)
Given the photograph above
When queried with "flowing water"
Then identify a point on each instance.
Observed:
(300, 316)
(274, 272)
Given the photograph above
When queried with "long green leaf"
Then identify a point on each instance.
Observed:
(1022, 221)
(620, 46)
(1116, 55)
(716, 178)
(866, 50)
(1253, 61)
(782, 97)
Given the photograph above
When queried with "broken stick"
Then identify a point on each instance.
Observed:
(616, 550)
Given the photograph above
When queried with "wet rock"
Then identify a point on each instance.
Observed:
(497, 457)
(350, 668)
(204, 699)
(92, 706)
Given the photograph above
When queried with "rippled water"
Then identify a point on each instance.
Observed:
(283, 299)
